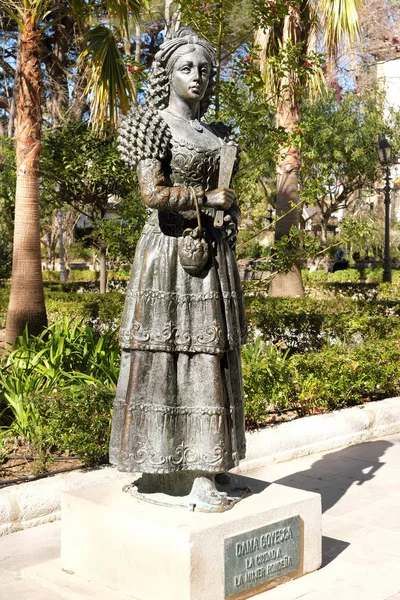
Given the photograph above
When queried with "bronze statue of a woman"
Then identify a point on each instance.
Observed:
(178, 414)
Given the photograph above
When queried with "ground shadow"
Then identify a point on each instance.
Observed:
(336, 472)
(256, 486)
(331, 548)
(332, 476)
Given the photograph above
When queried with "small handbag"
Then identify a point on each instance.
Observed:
(193, 247)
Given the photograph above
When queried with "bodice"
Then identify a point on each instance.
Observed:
(194, 165)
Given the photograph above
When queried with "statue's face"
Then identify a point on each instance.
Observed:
(191, 74)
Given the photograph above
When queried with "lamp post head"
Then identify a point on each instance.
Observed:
(384, 150)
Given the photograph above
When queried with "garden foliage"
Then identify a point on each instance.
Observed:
(329, 353)
(305, 356)
(54, 389)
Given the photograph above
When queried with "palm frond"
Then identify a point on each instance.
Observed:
(340, 21)
(124, 11)
(109, 88)
(80, 10)
(14, 11)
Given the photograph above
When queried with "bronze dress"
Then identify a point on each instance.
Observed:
(179, 402)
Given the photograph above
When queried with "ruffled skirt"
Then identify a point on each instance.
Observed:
(179, 402)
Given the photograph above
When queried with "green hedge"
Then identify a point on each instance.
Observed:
(306, 355)
(335, 377)
(308, 324)
(85, 275)
(105, 309)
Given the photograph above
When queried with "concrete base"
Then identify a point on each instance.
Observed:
(149, 552)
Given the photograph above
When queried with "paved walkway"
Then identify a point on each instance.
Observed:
(360, 491)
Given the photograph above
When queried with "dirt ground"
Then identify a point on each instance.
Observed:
(26, 468)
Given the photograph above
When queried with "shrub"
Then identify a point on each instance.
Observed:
(355, 290)
(83, 275)
(338, 377)
(288, 322)
(335, 377)
(373, 275)
(306, 324)
(51, 276)
(63, 356)
(59, 386)
(345, 276)
(266, 380)
(101, 311)
(76, 420)
(5, 257)
(118, 275)
(314, 277)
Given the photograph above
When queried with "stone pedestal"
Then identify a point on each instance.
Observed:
(149, 552)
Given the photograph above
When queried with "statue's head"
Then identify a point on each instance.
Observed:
(170, 64)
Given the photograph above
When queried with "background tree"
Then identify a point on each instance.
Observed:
(338, 150)
(85, 171)
(288, 36)
(110, 90)
(228, 25)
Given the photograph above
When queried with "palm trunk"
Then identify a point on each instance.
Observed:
(288, 285)
(26, 305)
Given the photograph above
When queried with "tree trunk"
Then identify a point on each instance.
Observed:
(26, 305)
(103, 268)
(324, 229)
(288, 285)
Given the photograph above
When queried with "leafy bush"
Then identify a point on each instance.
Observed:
(118, 275)
(335, 377)
(306, 324)
(5, 257)
(266, 380)
(338, 377)
(287, 322)
(75, 420)
(83, 275)
(51, 276)
(64, 356)
(100, 311)
(314, 277)
(345, 276)
(373, 275)
(356, 290)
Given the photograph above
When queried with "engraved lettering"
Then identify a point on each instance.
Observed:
(261, 555)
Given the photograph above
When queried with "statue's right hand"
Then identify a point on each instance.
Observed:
(220, 198)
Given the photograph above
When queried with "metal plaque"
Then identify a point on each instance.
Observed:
(261, 555)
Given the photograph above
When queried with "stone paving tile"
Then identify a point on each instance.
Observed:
(29, 547)
(7, 576)
(23, 590)
(361, 523)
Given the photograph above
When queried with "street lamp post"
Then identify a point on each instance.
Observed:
(384, 150)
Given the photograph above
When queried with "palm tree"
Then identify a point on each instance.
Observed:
(110, 91)
(293, 38)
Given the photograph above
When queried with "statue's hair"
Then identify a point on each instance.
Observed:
(158, 86)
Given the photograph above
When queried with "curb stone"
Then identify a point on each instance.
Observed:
(37, 502)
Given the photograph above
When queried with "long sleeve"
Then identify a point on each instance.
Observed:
(157, 191)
